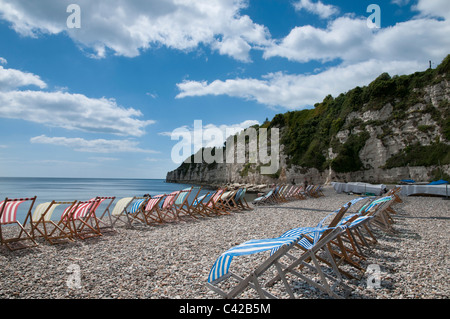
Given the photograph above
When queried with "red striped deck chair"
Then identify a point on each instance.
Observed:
(53, 231)
(167, 208)
(84, 222)
(211, 207)
(8, 216)
(150, 213)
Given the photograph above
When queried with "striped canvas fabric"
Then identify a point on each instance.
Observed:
(9, 211)
(152, 202)
(136, 206)
(222, 265)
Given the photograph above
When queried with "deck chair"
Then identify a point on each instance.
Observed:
(210, 207)
(197, 208)
(105, 219)
(8, 216)
(240, 200)
(265, 198)
(182, 206)
(227, 203)
(53, 231)
(167, 209)
(82, 219)
(149, 213)
(126, 208)
(279, 248)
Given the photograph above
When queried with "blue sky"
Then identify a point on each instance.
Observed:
(102, 100)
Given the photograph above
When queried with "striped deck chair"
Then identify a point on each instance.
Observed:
(197, 205)
(8, 216)
(212, 206)
(265, 198)
(226, 202)
(150, 213)
(202, 206)
(220, 276)
(83, 220)
(54, 231)
(105, 219)
(167, 209)
(240, 199)
(126, 208)
(182, 206)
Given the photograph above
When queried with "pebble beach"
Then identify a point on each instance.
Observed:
(172, 261)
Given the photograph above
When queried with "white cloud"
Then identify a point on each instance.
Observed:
(400, 3)
(92, 146)
(127, 27)
(433, 8)
(3, 61)
(298, 91)
(359, 54)
(350, 40)
(73, 112)
(12, 79)
(322, 10)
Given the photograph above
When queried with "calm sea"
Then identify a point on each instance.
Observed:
(70, 189)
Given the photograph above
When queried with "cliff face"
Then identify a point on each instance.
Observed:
(396, 128)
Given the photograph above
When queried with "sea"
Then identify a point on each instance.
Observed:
(70, 189)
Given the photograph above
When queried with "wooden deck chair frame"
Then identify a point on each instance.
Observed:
(309, 259)
(54, 232)
(8, 212)
(126, 208)
(150, 213)
(83, 219)
(167, 209)
(181, 204)
(227, 203)
(241, 201)
(274, 262)
(105, 219)
(197, 208)
(209, 208)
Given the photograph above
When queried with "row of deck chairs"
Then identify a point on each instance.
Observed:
(285, 193)
(323, 256)
(92, 218)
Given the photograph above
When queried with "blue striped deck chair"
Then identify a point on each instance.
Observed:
(126, 208)
(280, 248)
(197, 205)
(265, 198)
(182, 206)
(240, 199)
(220, 276)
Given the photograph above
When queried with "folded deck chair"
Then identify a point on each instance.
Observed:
(280, 248)
(126, 208)
(8, 216)
(82, 219)
(54, 231)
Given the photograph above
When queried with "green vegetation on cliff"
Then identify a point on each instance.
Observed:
(308, 134)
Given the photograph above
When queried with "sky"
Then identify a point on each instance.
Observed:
(97, 89)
